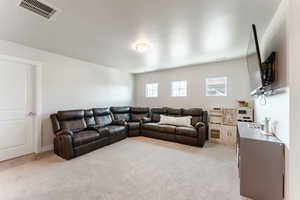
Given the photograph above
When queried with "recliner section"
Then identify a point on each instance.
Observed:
(194, 135)
(81, 131)
(133, 117)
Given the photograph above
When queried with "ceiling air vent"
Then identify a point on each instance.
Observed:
(38, 8)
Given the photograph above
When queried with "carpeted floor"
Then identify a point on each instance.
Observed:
(133, 169)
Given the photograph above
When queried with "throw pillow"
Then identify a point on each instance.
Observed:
(176, 121)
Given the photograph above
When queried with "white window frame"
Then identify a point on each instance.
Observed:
(209, 81)
(179, 88)
(151, 90)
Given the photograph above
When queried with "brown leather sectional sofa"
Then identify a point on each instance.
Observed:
(81, 131)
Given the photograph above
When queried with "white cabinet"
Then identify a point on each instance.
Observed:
(222, 134)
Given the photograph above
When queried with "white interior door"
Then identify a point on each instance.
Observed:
(16, 119)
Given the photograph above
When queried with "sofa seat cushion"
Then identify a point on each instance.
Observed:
(133, 125)
(187, 131)
(115, 129)
(104, 132)
(166, 128)
(151, 126)
(85, 137)
(159, 127)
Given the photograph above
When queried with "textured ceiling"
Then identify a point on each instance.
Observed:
(103, 31)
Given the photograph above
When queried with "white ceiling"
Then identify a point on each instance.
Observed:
(182, 32)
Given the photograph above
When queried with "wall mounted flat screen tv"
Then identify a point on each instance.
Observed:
(262, 74)
(254, 63)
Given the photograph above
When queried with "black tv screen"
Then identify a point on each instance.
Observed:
(254, 62)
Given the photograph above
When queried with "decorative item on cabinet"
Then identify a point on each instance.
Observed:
(244, 112)
(229, 117)
(216, 115)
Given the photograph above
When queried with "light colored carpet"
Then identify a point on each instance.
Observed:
(134, 169)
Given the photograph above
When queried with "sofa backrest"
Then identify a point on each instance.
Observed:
(72, 120)
(121, 113)
(156, 112)
(89, 118)
(102, 116)
(138, 113)
(196, 113)
(176, 112)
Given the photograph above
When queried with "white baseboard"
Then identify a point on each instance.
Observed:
(47, 148)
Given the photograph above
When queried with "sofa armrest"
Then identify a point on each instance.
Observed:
(119, 122)
(199, 125)
(64, 132)
(145, 120)
(55, 123)
(201, 129)
(63, 146)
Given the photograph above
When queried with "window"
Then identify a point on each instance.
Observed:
(216, 86)
(179, 88)
(152, 90)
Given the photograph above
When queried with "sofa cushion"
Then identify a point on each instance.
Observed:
(122, 109)
(176, 121)
(174, 111)
(159, 127)
(151, 126)
(72, 120)
(139, 110)
(102, 116)
(70, 115)
(101, 111)
(89, 118)
(73, 125)
(187, 131)
(103, 121)
(166, 128)
(85, 137)
(121, 113)
(133, 125)
(115, 129)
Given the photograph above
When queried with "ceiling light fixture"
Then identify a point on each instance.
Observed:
(142, 46)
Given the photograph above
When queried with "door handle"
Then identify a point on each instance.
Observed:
(31, 114)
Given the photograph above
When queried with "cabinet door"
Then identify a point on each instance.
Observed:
(215, 134)
(261, 169)
(229, 135)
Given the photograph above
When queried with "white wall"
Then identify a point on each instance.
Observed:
(237, 81)
(278, 106)
(68, 83)
(294, 72)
